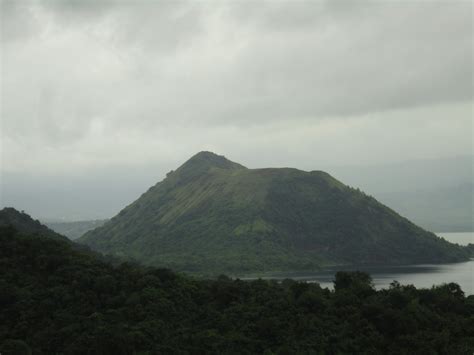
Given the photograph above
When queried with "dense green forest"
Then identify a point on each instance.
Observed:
(56, 299)
(214, 216)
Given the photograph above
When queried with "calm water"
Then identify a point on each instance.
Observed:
(418, 275)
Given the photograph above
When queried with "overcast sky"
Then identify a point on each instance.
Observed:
(94, 86)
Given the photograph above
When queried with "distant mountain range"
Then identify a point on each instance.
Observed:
(212, 215)
(74, 230)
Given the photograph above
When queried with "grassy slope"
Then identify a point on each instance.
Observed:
(212, 215)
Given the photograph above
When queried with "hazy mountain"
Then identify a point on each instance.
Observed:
(437, 194)
(443, 209)
(410, 175)
(74, 230)
(84, 197)
(214, 215)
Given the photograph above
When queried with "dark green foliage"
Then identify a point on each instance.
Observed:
(24, 223)
(212, 216)
(359, 283)
(55, 299)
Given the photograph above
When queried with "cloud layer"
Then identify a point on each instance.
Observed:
(89, 84)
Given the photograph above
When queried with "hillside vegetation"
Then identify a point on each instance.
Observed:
(10, 217)
(58, 300)
(212, 215)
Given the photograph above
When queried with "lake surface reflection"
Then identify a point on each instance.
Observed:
(421, 276)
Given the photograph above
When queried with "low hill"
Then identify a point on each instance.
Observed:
(22, 222)
(212, 215)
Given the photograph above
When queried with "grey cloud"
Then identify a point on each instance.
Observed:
(150, 24)
(384, 59)
(95, 82)
(18, 21)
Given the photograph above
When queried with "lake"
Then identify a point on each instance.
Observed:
(421, 276)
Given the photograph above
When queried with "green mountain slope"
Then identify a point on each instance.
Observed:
(212, 215)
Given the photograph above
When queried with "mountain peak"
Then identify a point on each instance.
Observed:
(207, 155)
(210, 158)
(203, 161)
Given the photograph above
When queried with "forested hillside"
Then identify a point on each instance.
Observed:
(56, 299)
